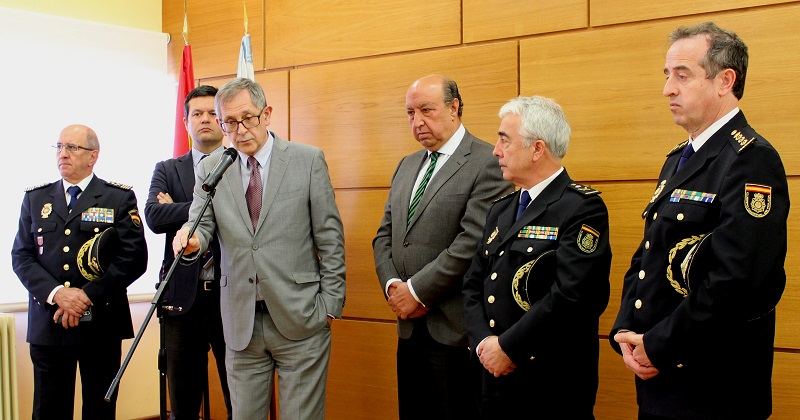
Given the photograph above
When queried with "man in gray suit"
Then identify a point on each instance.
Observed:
(283, 272)
(432, 222)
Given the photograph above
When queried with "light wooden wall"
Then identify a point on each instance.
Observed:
(336, 74)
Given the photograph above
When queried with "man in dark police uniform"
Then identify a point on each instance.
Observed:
(80, 244)
(539, 280)
(697, 319)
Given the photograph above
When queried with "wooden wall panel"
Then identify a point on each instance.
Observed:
(362, 376)
(622, 128)
(362, 210)
(494, 19)
(315, 31)
(355, 111)
(276, 89)
(215, 34)
(787, 330)
(606, 12)
(785, 383)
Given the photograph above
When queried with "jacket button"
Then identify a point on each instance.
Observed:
(655, 216)
(491, 299)
(647, 245)
(486, 252)
(96, 230)
(250, 280)
(638, 304)
(680, 216)
(406, 244)
(66, 267)
(680, 366)
(66, 249)
(502, 252)
(491, 323)
(530, 249)
(641, 274)
(494, 276)
(67, 232)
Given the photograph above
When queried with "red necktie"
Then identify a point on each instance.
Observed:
(253, 194)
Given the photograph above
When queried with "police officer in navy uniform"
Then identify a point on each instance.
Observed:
(190, 304)
(78, 311)
(701, 341)
(539, 280)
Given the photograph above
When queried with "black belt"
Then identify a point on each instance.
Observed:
(261, 306)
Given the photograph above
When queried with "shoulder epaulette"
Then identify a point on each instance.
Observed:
(680, 146)
(583, 189)
(505, 197)
(741, 140)
(118, 185)
(36, 187)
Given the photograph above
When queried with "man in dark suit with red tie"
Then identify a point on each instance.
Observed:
(191, 300)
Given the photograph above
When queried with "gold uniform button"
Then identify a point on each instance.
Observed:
(680, 216)
(494, 276)
(66, 267)
(66, 249)
(486, 252)
(491, 299)
(638, 304)
(533, 357)
(67, 232)
(530, 249)
(641, 274)
(491, 323)
(96, 230)
(647, 245)
(680, 366)
(39, 230)
(655, 215)
(502, 252)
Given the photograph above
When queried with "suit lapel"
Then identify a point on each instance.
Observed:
(88, 198)
(710, 150)
(551, 194)
(451, 166)
(184, 166)
(279, 161)
(59, 200)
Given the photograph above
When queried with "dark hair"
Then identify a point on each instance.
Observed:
(202, 90)
(450, 90)
(725, 51)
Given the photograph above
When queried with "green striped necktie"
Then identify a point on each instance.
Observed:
(421, 189)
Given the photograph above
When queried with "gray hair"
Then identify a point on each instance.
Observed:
(232, 88)
(540, 118)
(725, 51)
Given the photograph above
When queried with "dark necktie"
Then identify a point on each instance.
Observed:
(688, 151)
(73, 194)
(523, 204)
(253, 193)
(424, 183)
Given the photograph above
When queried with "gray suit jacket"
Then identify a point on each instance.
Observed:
(436, 248)
(294, 259)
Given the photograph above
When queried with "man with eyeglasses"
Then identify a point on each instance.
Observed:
(282, 246)
(190, 304)
(78, 311)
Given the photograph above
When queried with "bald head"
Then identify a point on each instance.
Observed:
(79, 164)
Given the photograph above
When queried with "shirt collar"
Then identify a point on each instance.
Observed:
(198, 155)
(701, 139)
(262, 155)
(450, 146)
(538, 188)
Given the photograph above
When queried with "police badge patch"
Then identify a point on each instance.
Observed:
(757, 199)
(588, 239)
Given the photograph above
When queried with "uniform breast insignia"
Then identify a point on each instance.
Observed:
(679, 195)
(743, 141)
(588, 239)
(658, 190)
(583, 189)
(98, 215)
(539, 232)
(757, 199)
(492, 236)
(118, 185)
(46, 210)
(137, 221)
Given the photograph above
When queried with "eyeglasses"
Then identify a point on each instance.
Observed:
(72, 148)
(249, 122)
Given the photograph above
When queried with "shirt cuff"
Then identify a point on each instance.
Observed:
(411, 289)
(53, 294)
(389, 283)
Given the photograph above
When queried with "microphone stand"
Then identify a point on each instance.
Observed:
(155, 303)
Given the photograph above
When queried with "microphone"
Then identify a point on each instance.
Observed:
(227, 158)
